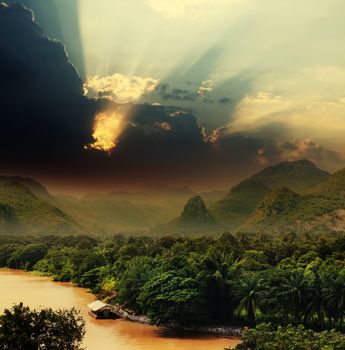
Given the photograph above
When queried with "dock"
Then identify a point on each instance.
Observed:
(100, 310)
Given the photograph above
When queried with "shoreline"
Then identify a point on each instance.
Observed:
(215, 330)
(37, 293)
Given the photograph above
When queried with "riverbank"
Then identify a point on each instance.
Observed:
(37, 292)
(222, 331)
(216, 330)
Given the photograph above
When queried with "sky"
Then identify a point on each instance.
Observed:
(196, 92)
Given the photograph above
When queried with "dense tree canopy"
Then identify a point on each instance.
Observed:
(265, 337)
(25, 329)
(241, 279)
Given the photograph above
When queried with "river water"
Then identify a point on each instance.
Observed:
(36, 292)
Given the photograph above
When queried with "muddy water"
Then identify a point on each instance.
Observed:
(18, 286)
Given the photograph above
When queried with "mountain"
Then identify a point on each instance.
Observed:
(284, 210)
(24, 209)
(34, 186)
(286, 196)
(195, 211)
(123, 211)
(275, 209)
(242, 200)
(8, 219)
(320, 206)
(105, 214)
(297, 175)
(332, 187)
(194, 218)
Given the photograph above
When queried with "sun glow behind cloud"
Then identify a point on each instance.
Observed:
(108, 126)
(121, 89)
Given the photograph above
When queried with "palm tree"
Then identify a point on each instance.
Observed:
(335, 296)
(293, 289)
(249, 291)
(317, 302)
(221, 269)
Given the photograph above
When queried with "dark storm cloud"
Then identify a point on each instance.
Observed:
(47, 15)
(43, 111)
(160, 141)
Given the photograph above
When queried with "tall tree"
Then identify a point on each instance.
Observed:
(25, 329)
(249, 291)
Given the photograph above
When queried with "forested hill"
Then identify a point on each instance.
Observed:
(26, 207)
(290, 196)
(242, 200)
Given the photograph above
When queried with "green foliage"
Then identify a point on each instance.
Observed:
(138, 272)
(239, 278)
(265, 337)
(249, 290)
(285, 208)
(168, 297)
(27, 256)
(91, 279)
(25, 329)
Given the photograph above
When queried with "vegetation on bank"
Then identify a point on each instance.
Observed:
(240, 279)
(265, 337)
(24, 329)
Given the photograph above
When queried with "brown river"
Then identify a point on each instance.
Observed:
(36, 292)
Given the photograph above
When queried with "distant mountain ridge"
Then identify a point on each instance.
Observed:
(303, 206)
(288, 196)
(242, 200)
(125, 211)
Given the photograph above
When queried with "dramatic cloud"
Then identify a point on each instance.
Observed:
(165, 143)
(44, 115)
(119, 88)
(50, 129)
